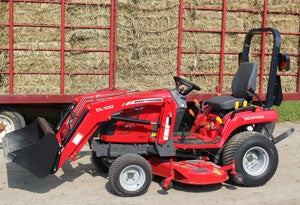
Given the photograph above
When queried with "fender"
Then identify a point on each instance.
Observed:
(246, 118)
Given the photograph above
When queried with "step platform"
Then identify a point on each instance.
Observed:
(192, 140)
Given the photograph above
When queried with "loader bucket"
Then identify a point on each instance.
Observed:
(33, 147)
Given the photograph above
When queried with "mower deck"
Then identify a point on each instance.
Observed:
(198, 172)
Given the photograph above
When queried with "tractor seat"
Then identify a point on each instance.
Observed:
(244, 79)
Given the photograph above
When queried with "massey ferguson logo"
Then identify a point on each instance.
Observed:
(257, 117)
(147, 100)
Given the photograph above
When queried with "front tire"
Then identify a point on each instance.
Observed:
(130, 175)
(256, 158)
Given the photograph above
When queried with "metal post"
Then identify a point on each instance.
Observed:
(263, 47)
(11, 47)
(62, 47)
(222, 56)
(179, 47)
(112, 46)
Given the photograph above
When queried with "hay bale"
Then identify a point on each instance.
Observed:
(234, 42)
(282, 23)
(4, 61)
(204, 3)
(140, 74)
(289, 84)
(33, 38)
(4, 15)
(231, 64)
(93, 62)
(36, 61)
(227, 80)
(87, 15)
(147, 42)
(36, 84)
(87, 39)
(243, 21)
(205, 63)
(203, 42)
(91, 1)
(245, 4)
(81, 84)
(284, 5)
(4, 84)
(208, 84)
(4, 67)
(37, 13)
(4, 37)
(202, 20)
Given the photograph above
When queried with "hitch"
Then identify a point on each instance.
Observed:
(283, 135)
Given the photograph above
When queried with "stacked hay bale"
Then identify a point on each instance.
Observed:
(95, 39)
(147, 33)
(28, 64)
(147, 43)
(33, 60)
(212, 20)
(4, 43)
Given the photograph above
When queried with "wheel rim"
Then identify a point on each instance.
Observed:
(7, 124)
(132, 178)
(256, 161)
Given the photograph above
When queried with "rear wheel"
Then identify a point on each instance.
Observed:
(256, 158)
(130, 175)
(9, 121)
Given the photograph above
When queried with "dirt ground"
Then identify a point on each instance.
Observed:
(79, 183)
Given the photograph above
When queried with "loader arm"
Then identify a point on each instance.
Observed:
(74, 134)
(41, 150)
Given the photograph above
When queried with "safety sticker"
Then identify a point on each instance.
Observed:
(77, 138)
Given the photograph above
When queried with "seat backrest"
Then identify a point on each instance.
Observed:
(244, 78)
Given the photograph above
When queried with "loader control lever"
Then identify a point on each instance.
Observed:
(189, 86)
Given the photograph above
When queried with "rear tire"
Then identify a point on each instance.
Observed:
(256, 158)
(130, 175)
(9, 121)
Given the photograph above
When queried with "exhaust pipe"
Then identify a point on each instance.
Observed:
(33, 147)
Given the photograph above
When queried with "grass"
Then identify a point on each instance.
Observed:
(289, 111)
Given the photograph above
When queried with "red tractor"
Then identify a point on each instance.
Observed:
(157, 132)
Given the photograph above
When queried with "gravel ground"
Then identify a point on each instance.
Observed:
(79, 183)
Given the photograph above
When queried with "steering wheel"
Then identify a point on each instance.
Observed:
(189, 86)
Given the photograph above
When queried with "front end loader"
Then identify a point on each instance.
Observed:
(135, 135)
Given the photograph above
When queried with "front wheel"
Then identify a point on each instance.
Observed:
(256, 158)
(130, 175)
